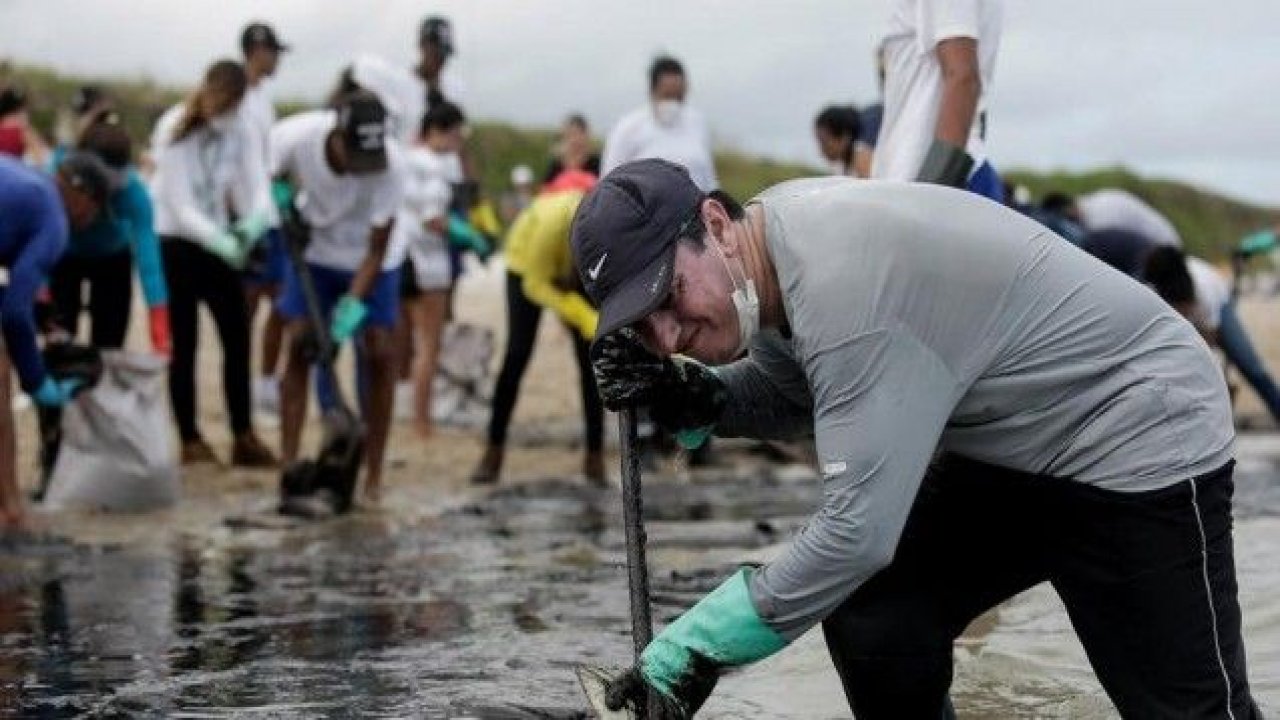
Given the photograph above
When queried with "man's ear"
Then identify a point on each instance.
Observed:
(718, 224)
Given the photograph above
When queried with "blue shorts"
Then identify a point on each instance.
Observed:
(275, 261)
(987, 182)
(383, 300)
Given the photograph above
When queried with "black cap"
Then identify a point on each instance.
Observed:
(624, 238)
(87, 172)
(260, 35)
(362, 121)
(437, 31)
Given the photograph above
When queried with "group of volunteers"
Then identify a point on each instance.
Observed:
(992, 406)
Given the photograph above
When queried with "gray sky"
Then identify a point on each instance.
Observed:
(1179, 88)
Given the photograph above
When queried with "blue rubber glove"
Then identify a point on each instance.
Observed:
(464, 236)
(347, 316)
(1262, 241)
(251, 228)
(56, 393)
(684, 662)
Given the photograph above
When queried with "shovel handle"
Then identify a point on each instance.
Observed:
(633, 525)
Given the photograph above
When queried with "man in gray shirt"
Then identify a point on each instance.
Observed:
(1079, 430)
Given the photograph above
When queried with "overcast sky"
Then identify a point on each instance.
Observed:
(1181, 88)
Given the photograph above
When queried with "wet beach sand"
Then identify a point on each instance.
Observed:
(451, 601)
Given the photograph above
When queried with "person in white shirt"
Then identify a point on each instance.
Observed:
(408, 92)
(420, 240)
(1198, 291)
(262, 49)
(666, 127)
(940, 58)
(348, 176)
(206, 173)
(1116, 209)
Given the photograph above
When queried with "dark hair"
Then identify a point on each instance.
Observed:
(692, 230)
(223, 75)
(108, 141)
(1166, 271)
(443, 116)
(839, 120)
(577, 120)
(1057, 202)
(664, 65)
(12, 99)
(345, 85)
(843, 122)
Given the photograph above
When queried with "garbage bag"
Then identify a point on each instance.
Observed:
(117, 453)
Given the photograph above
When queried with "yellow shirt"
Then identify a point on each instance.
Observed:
(537, 249)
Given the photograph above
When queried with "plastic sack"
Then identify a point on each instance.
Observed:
(117, 454)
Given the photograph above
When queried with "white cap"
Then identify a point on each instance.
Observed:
(521, 175)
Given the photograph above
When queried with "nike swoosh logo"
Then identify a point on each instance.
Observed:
(593, 272)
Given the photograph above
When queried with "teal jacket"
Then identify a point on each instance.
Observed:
(127, 227)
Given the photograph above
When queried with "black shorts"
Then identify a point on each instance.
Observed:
(1147, 578)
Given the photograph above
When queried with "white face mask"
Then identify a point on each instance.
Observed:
(222, 123)
(667, 112)
(745, 301)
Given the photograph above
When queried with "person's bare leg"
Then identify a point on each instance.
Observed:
(272, 340)
(404, 333)
(380, 351)
(293, 393)
(429, 318)
(12, 508)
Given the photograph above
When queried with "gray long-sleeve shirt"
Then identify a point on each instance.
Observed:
(922, 317)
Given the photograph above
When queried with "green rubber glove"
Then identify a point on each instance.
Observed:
(684, 662)
(251, 228)
(1262, 241)
(464, 236)
(56, 393)
(282, 193)
(228, 248)
(347, 316)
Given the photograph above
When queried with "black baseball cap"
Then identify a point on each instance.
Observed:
(624, 238)
(437, 31)
(86, 172)
(362, 121)
(260, 34)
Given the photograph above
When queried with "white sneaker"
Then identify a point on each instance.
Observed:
(266, 395)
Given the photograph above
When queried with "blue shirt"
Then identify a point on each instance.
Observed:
(33, 235)
(127, 228)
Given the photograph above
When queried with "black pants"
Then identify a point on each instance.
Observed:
(196, 276)
(110, 280)
(522, 329)
(1148, 581)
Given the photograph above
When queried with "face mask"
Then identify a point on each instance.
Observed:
(836, 166)
(222, 123)
(667, 112)
(745, 301)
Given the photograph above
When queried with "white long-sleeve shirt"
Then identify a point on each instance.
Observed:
(687, 141)
(196, 177)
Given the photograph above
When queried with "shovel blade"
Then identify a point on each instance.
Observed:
(593, 680)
